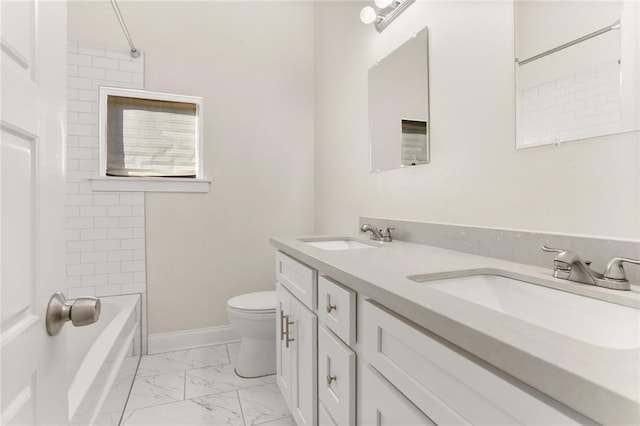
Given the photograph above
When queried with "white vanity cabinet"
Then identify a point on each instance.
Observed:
(445, 384)
(336, 358)
(398, 372)
(297, 343)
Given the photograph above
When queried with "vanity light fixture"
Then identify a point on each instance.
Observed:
(384, 12)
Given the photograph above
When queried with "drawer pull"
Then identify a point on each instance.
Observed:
(287, 340)
(331, 307)
(331, 379)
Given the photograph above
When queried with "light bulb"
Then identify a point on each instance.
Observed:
(368, 14)
(381, 4)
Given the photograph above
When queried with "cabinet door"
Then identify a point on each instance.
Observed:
(382, 404)
(283, 354)
(304, 351)
(336, 377)
(324, 418)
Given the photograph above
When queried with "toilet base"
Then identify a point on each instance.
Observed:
(257, 358)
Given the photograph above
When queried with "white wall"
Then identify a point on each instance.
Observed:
(253, 64)
(476, 176)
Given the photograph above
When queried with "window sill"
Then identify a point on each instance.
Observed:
(125, 184)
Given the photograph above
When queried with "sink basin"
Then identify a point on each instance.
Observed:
(589, 320)
(338, 244)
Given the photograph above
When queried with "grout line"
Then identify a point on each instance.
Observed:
(157, 405)
(208, 366)
(244, 421)
(184, 388)
(275, 420)
(228, 353)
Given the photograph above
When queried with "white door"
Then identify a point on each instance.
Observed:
(32, 131)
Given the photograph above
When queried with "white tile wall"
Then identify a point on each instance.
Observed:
(576, 106)
(105, 230)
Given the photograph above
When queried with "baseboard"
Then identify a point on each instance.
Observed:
(194, 338)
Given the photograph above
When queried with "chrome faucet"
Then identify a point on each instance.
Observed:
(377, 234)
(568, 266)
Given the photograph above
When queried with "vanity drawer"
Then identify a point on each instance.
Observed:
(336, 377)
(337, 309)
(298, 278)
(385, 405)
(447, 384)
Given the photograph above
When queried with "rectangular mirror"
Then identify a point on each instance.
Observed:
(399, 106)
(577, 70)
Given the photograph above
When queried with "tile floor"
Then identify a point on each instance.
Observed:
(199, 387)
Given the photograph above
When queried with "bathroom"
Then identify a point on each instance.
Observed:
(286, 152)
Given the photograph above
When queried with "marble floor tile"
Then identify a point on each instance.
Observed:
(182, 360)
(154, 390)
(234, 351)
(199, 386)
(218, 379)
(285, 421)
(224, 406)
(262, 404)
(111, 419)
(188, 412)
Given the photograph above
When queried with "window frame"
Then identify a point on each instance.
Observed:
(151, 183)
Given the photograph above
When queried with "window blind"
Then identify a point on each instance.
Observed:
(414, 143)
(147, 137)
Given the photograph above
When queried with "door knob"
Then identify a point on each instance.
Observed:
(83, 311)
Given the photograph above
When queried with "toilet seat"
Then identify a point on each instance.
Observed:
(260, 302)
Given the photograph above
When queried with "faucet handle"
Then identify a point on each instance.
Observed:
(563, 260)
(386, 235)
(551, 250)
(614, 270)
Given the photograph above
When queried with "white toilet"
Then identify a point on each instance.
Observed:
(253, 317)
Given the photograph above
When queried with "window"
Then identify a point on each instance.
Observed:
(155, 137)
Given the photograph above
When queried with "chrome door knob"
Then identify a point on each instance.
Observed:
(83, 311)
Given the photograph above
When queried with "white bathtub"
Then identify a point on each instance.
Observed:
(102, 362)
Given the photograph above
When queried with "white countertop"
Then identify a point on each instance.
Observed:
(600, 383)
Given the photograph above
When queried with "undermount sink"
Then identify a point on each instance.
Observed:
(338, 244)
(582, 318)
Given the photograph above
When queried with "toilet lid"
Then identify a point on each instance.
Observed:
(258, 301)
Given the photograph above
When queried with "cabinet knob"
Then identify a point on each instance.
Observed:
(331, 379)
(331, 307)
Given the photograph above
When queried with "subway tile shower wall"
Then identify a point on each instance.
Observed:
(572, 107)
(105, 230)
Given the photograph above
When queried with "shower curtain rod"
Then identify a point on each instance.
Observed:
(134, 52)
(615, 26)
